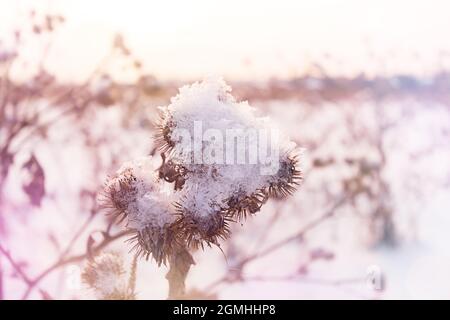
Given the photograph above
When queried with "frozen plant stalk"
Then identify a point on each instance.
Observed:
(217, 167)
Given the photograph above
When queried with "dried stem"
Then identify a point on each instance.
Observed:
(180, 263)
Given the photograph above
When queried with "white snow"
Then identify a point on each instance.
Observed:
(210, 104)
(151, 204)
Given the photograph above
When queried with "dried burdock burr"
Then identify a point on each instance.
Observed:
(164, 127)
(196, 230)
(288, 177)
(118, 193)
(136, 193)
(106, 275)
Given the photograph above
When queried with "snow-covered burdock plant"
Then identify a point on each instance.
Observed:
(218, 164)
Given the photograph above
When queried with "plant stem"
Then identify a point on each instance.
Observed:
(180, 263)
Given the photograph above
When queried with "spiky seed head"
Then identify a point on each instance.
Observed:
(241, 205)
(146, 205)
(164, 127)
(196, 230)
(156, 243)
(287, 179)
(119, 192)
(106, 275)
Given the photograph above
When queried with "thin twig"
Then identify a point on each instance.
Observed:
(77, 235)
(263, 236)
(297, 278)
(73, 259)
(300, 234)
(16, 266)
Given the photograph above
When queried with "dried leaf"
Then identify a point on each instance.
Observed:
(6, 160)
(34, 186)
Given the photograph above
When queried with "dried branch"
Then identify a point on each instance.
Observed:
(33, 282)
(319, 281)
(73, 259)
(229, 277)
(15, 265)
(77, 235)
(299, 235)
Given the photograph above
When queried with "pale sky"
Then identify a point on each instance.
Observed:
(244, 39)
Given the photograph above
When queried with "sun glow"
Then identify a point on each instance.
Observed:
(247, 39)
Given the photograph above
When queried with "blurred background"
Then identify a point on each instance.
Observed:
(362, 86)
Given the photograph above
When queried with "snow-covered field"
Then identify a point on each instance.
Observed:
(383, 167)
